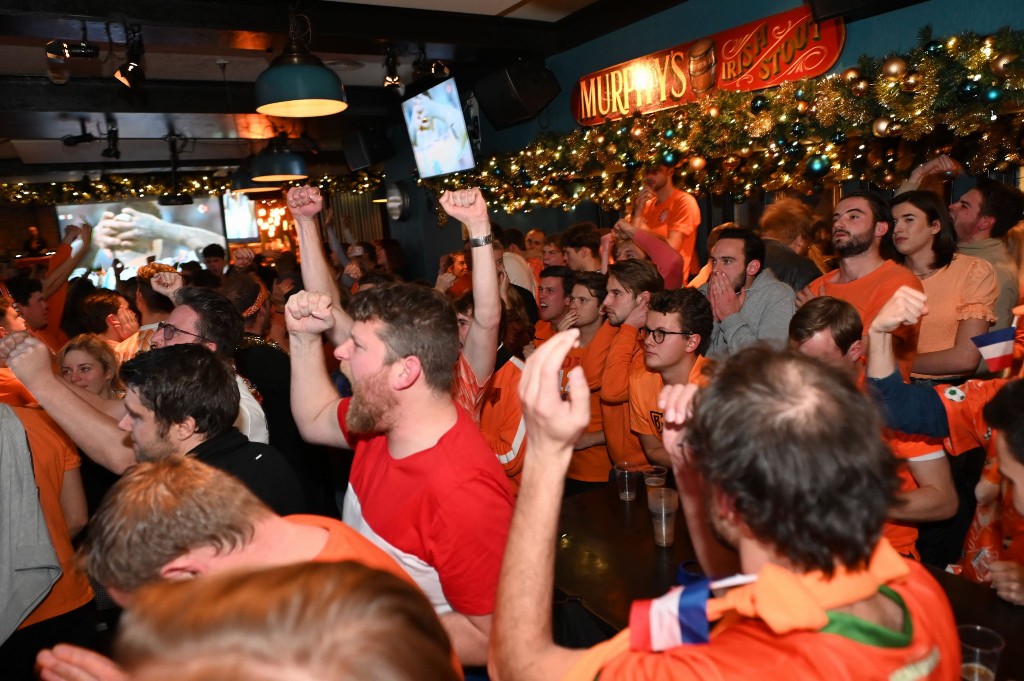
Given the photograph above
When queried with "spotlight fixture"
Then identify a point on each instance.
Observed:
(130, 73)
(297, 84)
(63, 49)
(84, 138)
(439, 70)
(175, 197)
(392, 83)
(278, 163)
(111, 151)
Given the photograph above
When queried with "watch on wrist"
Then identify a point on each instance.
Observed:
(481, 240)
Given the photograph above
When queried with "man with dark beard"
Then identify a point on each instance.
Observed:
(865, 279)
(424, 486)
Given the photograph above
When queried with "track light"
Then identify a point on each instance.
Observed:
(111, 151)
(392, 83)
(63, 49)
(439, 70)
(130, 73)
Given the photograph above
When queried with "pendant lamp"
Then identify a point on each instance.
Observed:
(297, 84)
(242, 182)
(278, 163)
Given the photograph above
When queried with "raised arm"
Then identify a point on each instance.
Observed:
(940, 166)
(313, 397)
(58, 275)
(481, 345)
(522, 647)
(97, 434)
(317, 275)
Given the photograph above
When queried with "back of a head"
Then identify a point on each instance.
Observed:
(181, 381)
(246, 293)
(214, 251)
(156, 302)
(1002, 202)
(582, 235)
(416, 322)
(786, 220)
(97, 306)
(160, 510)
(22, 288)
(513, 237)
(1005, 413)
(637, 276)
(797, 449)
(219, 321)
(309, 621)
(825, 312)
(694, 312)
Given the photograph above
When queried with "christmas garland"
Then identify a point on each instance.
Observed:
(962, 96)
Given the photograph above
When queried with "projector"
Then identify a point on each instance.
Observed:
(179, 199)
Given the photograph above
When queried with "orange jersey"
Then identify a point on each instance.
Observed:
(868, 294)
(645, 417)
(12, 391)
(468, 390)
(678, 213)
(593, 463)
(903, 536)
(542, 331)
(624, 354)
(501, 419)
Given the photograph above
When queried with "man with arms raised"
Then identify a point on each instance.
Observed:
(424, 484)
(670, 213)
(865, 279)
(824, 595)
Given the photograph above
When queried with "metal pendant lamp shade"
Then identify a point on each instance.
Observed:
(298, 85)
(242, 183)
(278, 163)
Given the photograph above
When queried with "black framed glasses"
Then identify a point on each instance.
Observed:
(659, 334)
(169, 330)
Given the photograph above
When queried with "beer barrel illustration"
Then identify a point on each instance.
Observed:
(702, 66)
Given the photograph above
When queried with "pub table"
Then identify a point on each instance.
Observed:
(606, 558)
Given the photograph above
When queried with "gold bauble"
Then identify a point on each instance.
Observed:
(600, 139)
(713, 111)
(802, 107)
(882, 126)
(745, 151)
(697, 163)
(612, 149)
(911, 82)
(637, 131)
(1000, 63)
(851, 74)
(894, 68)
(888, 178)
(731, 162)
(860, 87)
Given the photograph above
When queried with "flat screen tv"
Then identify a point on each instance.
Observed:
(437, 130)
(134, 229)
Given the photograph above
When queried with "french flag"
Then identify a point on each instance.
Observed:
(678, 617)
(996, 348)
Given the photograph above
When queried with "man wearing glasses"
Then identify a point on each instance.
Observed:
(675, 338)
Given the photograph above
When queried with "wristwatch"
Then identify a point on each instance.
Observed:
(481, 240)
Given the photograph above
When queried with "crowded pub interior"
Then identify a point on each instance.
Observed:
(516, 340)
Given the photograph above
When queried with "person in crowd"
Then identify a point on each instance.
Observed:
(865, 279)
(46, 596)
(670, 213)
(215, 259)
(967, 416)
(552, 254)
(35, 244)
(424, 483)
(963, 289)
(391, 257)
(981, 218)
(786, 231)
(42, 301)
(12, 391)
(329, 621)
(153, 308)
(811, 535)
(553, 295)
(534, 241)
(581, 244)
(88, 362)
(829, 329)
(263, 364)
(631, 283)
(206, 317)
(591, 463)
(749, 304)
(512, 261)
(627, 242)
(108, 315)
(180, 519)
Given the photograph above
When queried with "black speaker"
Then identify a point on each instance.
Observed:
(516, 94)
(366, 147)
(852, 10)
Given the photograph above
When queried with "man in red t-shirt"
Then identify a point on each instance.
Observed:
(424, 485)
(815, 575)
(670, 213)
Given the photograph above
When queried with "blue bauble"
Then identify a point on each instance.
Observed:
(993, 94)
(759, 104)
(839, 138)
(817, 166)
(933, 47)
(968, 91)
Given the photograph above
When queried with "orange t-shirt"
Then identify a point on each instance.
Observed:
(12, 391)
(593, 463)
(903, 536)
(623, 356)
(53, 454)
(52, 334)
(501, 419)
(467, 389)
(678, 213)
(645, 417)
(867, 295)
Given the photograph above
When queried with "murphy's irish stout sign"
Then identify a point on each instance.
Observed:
(761, 54)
